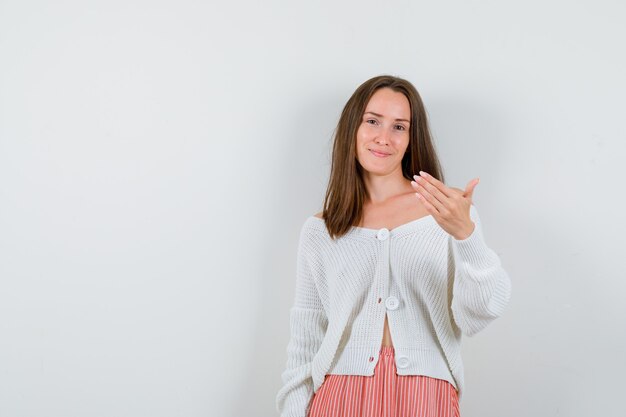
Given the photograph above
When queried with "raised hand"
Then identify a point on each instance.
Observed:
(449, 206)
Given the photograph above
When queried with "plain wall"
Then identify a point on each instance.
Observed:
(157, 160)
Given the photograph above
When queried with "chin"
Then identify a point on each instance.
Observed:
(375, 169)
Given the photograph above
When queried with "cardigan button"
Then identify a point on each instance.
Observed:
(382, 234)
(403, 361)
(371, 359)
(392, 302)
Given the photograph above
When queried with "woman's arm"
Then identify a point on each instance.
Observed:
(308, 324)
(482, 288)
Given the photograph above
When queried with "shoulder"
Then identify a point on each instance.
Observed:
(314, 227)
(312, 224)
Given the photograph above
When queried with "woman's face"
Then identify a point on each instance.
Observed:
(383, 135)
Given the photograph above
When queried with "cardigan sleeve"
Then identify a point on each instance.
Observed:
(482, 288)
(308, 324)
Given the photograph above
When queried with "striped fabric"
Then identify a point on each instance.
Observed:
(385, 394)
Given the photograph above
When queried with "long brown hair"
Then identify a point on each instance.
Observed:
(346, 192)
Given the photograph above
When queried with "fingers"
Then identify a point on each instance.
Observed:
(432, 193)
(429, 207)
(448, 205)
(471, 184)
(444, 189)
(469, 189)
(426, 191)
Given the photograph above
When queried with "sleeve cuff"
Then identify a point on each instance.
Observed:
(473, 250)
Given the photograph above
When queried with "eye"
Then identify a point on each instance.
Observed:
(400, 127)
(370, 120)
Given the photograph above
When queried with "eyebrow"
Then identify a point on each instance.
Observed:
(380, 115)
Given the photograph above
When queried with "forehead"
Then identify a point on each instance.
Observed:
(389, 103)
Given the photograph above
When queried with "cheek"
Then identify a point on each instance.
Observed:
(400, 142)
(361, 136)
(366, 131)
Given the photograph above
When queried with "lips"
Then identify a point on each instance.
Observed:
(379, 154)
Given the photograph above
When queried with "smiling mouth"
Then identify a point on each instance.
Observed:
(378, 154)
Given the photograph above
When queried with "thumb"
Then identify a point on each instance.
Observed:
(469, 189)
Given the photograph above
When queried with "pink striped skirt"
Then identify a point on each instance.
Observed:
(385, 394)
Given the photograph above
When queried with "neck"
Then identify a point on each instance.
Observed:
(383, 187)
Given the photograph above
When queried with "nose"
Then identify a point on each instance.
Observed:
(382, 138)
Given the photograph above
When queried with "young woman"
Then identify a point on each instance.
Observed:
(390, 274)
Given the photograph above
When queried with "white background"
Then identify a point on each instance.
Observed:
(158, 158)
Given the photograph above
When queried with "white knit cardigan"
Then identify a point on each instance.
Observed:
(433, 288)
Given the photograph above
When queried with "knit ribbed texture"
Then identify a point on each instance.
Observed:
(433, 288)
